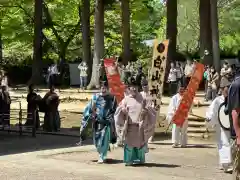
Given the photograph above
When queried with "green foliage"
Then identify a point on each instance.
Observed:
(229, 26)
(62, 28)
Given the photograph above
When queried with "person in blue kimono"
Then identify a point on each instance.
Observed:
(100, 111)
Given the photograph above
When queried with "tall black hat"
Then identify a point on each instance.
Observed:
(144, 82)
(104, 83)
(131, 81)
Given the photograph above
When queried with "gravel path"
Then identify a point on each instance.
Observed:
(79, 163)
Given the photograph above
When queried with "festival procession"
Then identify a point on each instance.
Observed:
(125, 111)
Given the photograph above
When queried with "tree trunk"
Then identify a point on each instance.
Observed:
(171, 33)
(86, 39)
(37, 44)
(126, 30)
(98, 42)
(215, 35)
(205, 31)
(172, 29)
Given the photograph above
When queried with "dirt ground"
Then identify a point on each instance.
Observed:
(197, 162)
(51, 157)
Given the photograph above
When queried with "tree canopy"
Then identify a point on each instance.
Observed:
(62, 27)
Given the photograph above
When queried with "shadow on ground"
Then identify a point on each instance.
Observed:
(200, 146)
(157, 165)
(117, 161)
(12, 143)
(110, 161)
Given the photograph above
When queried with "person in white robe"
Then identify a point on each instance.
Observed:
(147, 96)
(179, 134)
(222, 136)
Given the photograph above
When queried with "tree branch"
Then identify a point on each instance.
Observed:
(50, 21)
(77, 27)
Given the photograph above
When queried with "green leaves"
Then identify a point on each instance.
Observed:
(148, 21)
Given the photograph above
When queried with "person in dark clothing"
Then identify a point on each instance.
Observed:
(5, 103)
(233, 110)
(32, 107)
(139, 77)
(51, 117)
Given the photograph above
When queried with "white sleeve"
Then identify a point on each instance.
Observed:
(185, 70)
(212, 110)
(229, 70)
(222, 72)
(171, 109)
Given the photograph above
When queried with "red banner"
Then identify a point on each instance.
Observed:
(116, 87)
(182, 112)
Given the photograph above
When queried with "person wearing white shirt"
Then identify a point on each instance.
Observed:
(172, 79)
(52, 74)
(222, 136)
(179, 134)
(188, 72)
(83, 74)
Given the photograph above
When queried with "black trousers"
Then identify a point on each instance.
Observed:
(173, 85)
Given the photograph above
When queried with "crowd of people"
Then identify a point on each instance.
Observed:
(131, 123)
(180, 74)
(214, 81)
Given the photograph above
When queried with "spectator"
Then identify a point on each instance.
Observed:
(226, 74)
(206, 78)
(213, 82)
(139, 77)
(188, 72)
(5, 102)
(52, 75)
(172, 80)
(4, 80)
(83, 74)
(179, 74)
